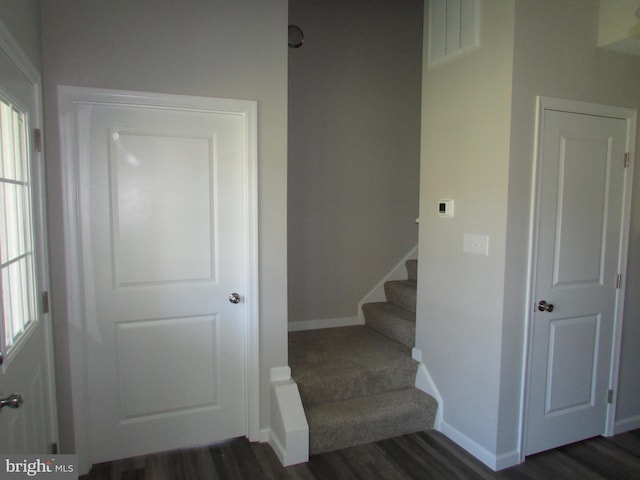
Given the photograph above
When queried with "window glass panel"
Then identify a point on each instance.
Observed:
(6, 306)
(8, 159)
(18, 286)
(10, 218)
(18, 138)
(2, 142)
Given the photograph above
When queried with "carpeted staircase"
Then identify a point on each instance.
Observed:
(357, 383)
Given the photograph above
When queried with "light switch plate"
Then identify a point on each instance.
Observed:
(478, 244)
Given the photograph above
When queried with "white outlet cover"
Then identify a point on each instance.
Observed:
(478, 244)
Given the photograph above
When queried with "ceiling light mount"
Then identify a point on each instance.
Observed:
(296, 36)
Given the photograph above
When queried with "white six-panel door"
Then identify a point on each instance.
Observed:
(580, 227)
(164, 221)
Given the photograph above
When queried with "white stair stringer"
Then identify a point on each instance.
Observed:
(289, 433)
(425, 383)
(377, 293)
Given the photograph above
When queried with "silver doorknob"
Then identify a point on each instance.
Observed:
(544, 306)
(12, 401)
(234, 298)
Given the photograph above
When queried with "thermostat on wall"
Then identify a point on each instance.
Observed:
(445, 208)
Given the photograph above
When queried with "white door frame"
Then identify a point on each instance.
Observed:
(74, 242)
(630, 116)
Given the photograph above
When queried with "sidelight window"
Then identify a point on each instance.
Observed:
(17, 262)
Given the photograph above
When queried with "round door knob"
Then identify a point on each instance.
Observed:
(12, 401)
(544, 306)
(234, 298)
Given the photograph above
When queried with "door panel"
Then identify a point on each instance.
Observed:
(165, 228)
(150, 339)
(580, 204)
(581, 216)
(26, 367)
(150, 205)
(571, 369)
(30, 427)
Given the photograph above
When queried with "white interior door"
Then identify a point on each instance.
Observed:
(25, 342)
(580, 226)
(163, 196)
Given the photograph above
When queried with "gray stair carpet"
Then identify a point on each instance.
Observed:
(396, 318)
(357, 383)
(392, 321)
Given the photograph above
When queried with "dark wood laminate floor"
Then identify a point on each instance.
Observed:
(423, 456)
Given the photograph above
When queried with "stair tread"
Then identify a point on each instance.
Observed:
(339, 363)
(367, 419)
(354, 346)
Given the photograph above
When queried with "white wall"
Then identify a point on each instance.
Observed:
(217, 48)
(471, 309)
(354, 150)
(466, 117)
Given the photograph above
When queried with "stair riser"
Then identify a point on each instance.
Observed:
(396, 329)
(325, 440)
(412, 270)
(370, 424)
(391, 321)
(402, 294)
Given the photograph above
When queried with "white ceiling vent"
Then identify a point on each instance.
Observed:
(454, 28)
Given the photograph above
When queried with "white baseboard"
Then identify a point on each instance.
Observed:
(324, 323)
(490, 459)
(626, 424)
(507, 460)
(425, 383)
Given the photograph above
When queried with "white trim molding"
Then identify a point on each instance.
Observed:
(14, 51)
(626, 424)
(324, 323)
(399, 272)
(424, 382)
(289, 432)
(490, 459)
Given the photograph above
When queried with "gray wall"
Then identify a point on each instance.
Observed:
(354, 140)
(217, 48)
(22, 19)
